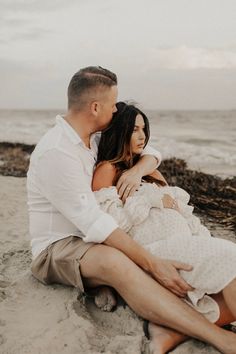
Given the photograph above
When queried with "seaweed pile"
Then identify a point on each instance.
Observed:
(14, 159)
(212, 197)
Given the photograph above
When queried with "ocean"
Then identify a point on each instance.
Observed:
(206, 140)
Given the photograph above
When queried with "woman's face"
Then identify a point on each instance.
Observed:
(138, 137)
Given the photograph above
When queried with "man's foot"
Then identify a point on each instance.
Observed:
(105, 299)
(228, 344)
(163, 339)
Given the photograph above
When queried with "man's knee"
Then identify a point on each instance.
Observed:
(104, 262)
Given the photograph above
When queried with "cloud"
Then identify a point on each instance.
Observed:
(187, 58)
(29, 85)
(33, 5)
(31, 34)
(19, 18)
(24, 31)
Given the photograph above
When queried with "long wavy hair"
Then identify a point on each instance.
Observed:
(115, 143)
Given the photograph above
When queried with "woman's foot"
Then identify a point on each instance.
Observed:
(163, 339)
(105, 299)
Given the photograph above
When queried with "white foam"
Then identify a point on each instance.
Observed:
(205, 140)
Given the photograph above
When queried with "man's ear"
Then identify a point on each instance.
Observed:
(95, 108)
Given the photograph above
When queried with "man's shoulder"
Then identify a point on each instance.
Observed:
(50, 140)
(55, 140)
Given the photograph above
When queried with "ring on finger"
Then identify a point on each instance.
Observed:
(174, 204)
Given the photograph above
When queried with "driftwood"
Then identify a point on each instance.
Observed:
(211, 196)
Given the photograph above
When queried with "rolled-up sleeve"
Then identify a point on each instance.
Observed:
(62, 181)
(148, 150)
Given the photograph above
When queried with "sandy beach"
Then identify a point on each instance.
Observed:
(68, 64)
(51, 319)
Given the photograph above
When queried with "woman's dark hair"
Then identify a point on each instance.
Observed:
(115, 140)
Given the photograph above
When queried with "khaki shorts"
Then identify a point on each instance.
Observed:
(60, 262)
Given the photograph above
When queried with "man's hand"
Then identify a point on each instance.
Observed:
(128, 183)
(162, 270)
(166, 273)
(130, 180)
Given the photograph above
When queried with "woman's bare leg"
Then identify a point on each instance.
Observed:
(104, 265)
(229, 294)
(164, 339)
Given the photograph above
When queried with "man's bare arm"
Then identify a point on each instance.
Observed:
(130, 180)
(164, 271)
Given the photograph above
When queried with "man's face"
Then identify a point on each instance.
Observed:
(107, 107)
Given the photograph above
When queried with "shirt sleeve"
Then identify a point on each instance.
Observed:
(148, 150)
(63, 182)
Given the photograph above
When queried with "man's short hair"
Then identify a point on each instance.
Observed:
(87, 80)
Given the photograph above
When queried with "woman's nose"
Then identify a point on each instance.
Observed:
(141, 135)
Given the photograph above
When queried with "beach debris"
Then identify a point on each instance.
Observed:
(212, 196)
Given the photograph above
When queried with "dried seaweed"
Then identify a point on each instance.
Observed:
(211, 196)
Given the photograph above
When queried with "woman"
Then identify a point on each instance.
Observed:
(159, 217)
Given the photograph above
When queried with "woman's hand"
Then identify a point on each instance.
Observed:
(166, 273)
(128, 183)
(169, 202)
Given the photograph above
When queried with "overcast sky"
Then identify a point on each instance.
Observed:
(168, 54)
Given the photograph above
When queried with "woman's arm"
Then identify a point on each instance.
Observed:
(103, 176)
(158, 175)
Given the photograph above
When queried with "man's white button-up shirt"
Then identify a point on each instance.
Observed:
(60, 200)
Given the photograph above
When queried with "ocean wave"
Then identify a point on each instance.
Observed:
(205, 140)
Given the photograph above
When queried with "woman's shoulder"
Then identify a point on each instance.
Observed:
(105, 165)
(104, 175)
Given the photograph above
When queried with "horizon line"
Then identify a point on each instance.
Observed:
(145, 108)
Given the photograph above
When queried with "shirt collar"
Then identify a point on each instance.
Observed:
(71, 133)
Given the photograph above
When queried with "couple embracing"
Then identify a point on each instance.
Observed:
(101, 215)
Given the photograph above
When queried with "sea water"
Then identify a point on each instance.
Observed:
(206, 140)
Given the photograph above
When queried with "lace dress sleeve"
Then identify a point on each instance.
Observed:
(135, 210)
(111, 203)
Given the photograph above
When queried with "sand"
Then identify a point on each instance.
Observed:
(36, 319)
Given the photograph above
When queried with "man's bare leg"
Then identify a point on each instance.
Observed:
(104, 265)
(164, 339)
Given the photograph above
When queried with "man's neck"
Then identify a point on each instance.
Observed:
(81, 124)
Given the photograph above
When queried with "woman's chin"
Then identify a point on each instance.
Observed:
(138, 151)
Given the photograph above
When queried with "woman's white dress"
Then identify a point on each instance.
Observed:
(178, 236)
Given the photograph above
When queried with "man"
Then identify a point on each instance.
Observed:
(73, 241)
